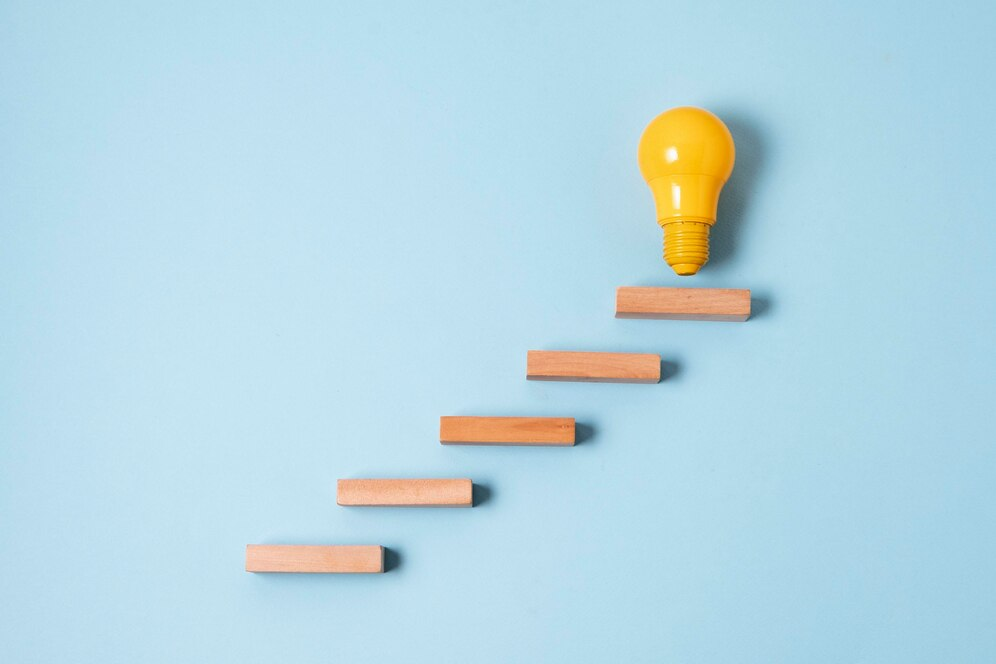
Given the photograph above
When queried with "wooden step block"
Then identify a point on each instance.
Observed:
(726, 304)
(506, 430)
(406, 493)
(593, 367)
(315, 559)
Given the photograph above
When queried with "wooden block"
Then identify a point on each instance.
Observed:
(406, 493)
(315, 559)
(725, 304)
(593, 367)
(506, 430)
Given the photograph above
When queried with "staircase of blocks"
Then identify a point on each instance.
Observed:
(699, 304)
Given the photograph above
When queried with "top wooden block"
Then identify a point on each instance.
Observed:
(593, 367)
(506, 430)
(724, 304)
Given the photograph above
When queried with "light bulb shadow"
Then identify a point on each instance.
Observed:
(735, 200)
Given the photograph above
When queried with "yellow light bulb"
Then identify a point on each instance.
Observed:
(686, 155)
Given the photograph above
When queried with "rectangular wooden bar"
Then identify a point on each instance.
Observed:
(593, 367)
(406, 493)
(723, 304)
(315, 559)
(506, 430)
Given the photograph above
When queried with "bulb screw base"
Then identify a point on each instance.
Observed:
(686, 246)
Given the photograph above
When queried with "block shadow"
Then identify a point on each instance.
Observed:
(480, 494)
(583, 433)
(669, 370)
(760, 306)
(392, 559)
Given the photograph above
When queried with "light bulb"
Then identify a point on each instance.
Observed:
(686, 155)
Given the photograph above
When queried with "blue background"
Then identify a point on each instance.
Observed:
(248, 249)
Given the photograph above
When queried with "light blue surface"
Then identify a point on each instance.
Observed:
(246, 250)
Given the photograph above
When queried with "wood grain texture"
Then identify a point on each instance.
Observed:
(593, 367)
(364, 559)
(506, 430)
(406, 493)
(720, 304)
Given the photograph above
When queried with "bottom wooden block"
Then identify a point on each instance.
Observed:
(363, 559)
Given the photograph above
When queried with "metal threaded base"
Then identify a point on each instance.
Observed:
(686, 246)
